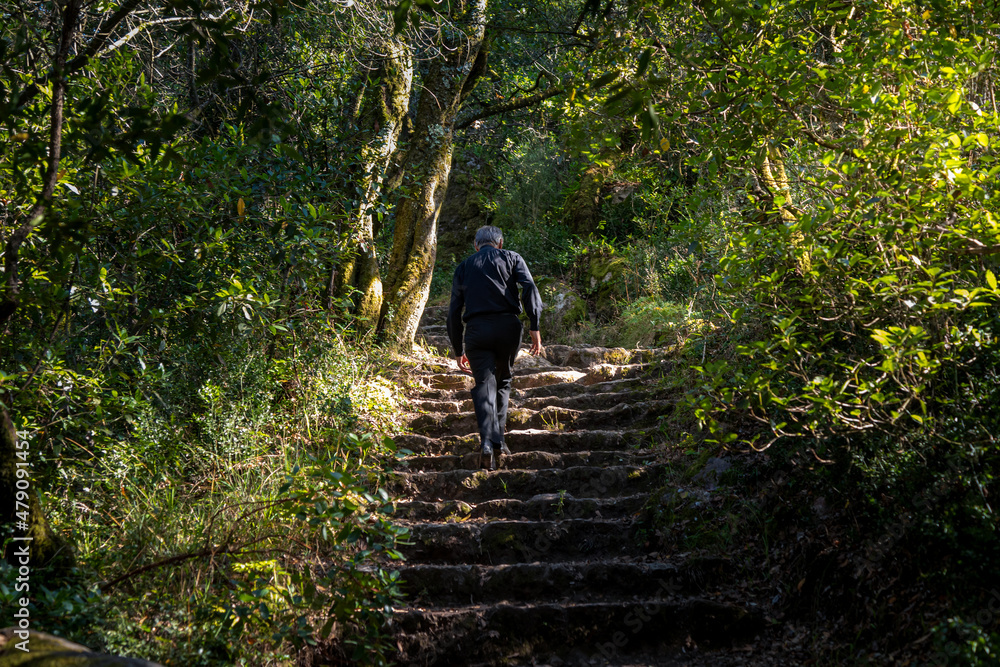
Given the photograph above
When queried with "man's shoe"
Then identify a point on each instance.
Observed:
(486, 459)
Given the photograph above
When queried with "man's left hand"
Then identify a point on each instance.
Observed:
(463, 364)
(536, 343)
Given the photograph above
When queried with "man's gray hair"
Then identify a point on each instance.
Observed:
(488, 234)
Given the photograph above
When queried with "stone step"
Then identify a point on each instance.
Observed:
(517, 541)
(532, 460)
(544, 377)
(606, 372)
(479, 485)
(442, 406)
(587, 356)
(433, 329)
(446, 585)
(422, 368)
(577, 634)
(542, 507)
(574, 389)
(549, 418)
(585, 401)
(547, 368)
(521, 440)
(440, 342)
(447, 381)
(536, 378)
(527, 378)
(556, 390)
(582, 401)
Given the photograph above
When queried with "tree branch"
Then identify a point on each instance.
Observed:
(209, 552)
(10, 302)
(142, 26)
(807, 129)
(513, 105)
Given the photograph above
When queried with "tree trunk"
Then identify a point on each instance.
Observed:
(382, 115)
(775, 179)
(582, 209)
(451, 77)
(45, 545)
(20, 510)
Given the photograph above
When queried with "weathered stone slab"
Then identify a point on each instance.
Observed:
(518, 541)
(479, 485)
(519, 440)
(545, 378)
(587, 634)
(529, 460)
(543, 507)
(579, 581)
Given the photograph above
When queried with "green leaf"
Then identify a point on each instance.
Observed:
(644, 62)
(954, 101)
(604, 80)
(991, 279)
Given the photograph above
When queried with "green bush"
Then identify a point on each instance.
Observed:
(961, 642)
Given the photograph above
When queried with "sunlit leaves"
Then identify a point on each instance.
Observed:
(866, 266)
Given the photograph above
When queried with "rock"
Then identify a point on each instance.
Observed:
(605, 282)
(564, 307)
(526, 360)
(714, 467)
(45, 650)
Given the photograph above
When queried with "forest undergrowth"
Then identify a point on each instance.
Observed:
(239, 514)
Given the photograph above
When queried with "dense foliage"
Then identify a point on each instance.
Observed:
(796, 195)
(188, 384)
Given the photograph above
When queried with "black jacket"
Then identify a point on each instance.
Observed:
(486, 284)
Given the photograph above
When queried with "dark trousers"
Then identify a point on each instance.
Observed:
(491, 344)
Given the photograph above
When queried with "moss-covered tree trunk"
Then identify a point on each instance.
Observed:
(582, 209)
(774, 177)
(450, 78)
(382, 114)
(21, 512)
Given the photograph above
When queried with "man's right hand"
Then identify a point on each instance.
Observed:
(536, 343)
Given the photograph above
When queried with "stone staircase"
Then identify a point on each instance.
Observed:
(539, 562)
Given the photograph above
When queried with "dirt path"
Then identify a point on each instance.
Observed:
(539, 562)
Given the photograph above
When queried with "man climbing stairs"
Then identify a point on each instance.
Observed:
(539, 562)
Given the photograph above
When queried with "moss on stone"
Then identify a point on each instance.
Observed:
(564, 307)
(605, 282)
(47, 650)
